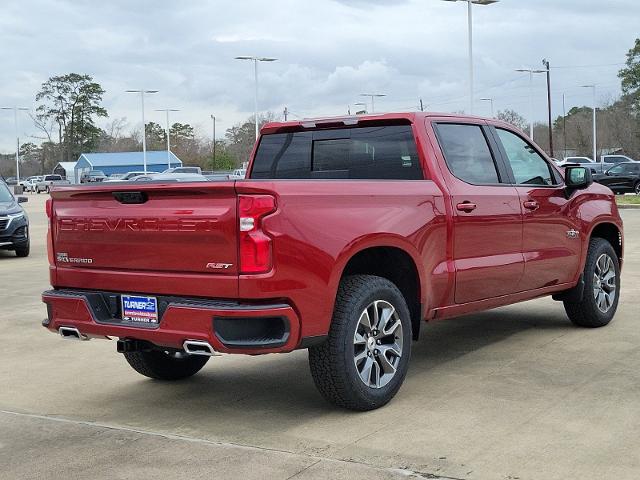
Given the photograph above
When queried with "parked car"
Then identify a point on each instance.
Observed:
(115, 177)
(170, 177)
(399, 219)
(93, 176)
(11, 181)
(49, 181)
(621, 178)
(14, 223)
(608, 161)
(30, 184)
(197, 170)
(126, 177)
(575, 161)
(238, 174)
(23, 183)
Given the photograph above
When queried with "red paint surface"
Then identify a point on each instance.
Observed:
(501, 252)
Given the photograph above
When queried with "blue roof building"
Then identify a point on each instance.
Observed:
(123, 162)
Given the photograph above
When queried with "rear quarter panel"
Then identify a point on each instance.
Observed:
(320, 224)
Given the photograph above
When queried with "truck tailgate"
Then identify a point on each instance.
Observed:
(166, 229)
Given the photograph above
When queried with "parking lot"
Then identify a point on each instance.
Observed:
(513, 393)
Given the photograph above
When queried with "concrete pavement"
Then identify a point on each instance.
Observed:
(516, 392)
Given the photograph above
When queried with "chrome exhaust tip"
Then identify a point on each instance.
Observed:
(198, 347)
(72, 333)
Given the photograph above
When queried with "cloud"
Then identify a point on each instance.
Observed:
(329, 52)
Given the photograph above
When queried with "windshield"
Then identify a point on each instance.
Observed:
(5, 194)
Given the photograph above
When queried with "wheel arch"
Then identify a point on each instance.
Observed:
(610, 232)
(393, 259)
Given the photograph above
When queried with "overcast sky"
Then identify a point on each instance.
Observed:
(329, 51)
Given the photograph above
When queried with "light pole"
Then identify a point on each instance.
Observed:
(595, 144)
(491, 101)
(530, 71)
(373, 95)
(213, 137)
(255, 61)
(15, 123)
(144, 126)
(167, 110)
(470, 22)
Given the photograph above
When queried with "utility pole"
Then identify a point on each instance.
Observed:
(285, 113)
(421, 106)
(15, 123)
(545, 62)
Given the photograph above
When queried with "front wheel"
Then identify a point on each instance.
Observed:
(636, 188)
(363, 363)
(601, 287)
(165, 365)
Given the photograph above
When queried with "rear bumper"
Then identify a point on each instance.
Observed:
(228, 326)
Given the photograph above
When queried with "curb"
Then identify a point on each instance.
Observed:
(627, 206)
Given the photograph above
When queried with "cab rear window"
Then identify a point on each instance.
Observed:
(382, 152)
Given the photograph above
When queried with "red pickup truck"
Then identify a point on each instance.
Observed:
(345, 236)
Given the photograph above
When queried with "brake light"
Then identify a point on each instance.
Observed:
(47, 207)
(255, 244)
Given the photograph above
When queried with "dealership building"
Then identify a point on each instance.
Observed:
(123, 162)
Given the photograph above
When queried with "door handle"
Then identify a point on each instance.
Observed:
(531, 205)
(466, 207)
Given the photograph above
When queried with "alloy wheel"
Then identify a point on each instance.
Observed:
(604, 283)
(377, 344)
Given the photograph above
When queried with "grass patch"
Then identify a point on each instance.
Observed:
(628, 199)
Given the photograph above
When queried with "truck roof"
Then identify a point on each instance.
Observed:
(351, 120)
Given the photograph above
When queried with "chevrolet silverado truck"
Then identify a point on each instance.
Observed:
(345, 237)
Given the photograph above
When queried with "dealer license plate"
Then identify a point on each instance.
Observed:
(139, 310)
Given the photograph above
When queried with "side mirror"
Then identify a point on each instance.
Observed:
(577, 178)
(22, 199)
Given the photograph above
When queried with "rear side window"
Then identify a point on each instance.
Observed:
(385, 152)
(467, 153)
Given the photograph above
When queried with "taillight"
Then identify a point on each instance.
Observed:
(47, 207)
(255, 244)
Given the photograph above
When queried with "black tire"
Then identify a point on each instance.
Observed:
(24, 250)
(586, 313)
(165, 366)
(332, 363)
(636, 188)
(46, 190)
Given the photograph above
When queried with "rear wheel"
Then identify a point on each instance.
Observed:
(165, 365)
(363, 363)
(636, 188)
(601, 287)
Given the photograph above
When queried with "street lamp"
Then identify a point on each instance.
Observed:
(373, 95)
(255, 61)
(491, 101)
(144, 130)
(167, 110)
(15, 122)
(361, 104)
(213, 136)
(530, 71)
(470, 22)
(595, 147)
